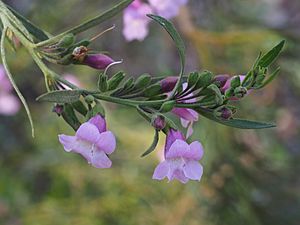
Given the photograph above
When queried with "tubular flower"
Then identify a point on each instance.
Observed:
(98, 61)
(92, 141)
(181, 159)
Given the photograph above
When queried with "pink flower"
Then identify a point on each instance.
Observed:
(135, 21)
(181, 159)
(167, 8)
(187, 116)
(92, 141)
(9, 104)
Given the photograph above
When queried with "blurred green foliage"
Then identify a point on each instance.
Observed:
(249, 178)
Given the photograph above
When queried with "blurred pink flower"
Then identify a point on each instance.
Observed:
(167, 8)
(92, 141)
(181, 159)
(135, 21)
(9, 104)
(136, 24)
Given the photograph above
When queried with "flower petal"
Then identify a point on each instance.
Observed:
(99, 122)
(178, 149)
(187, 114)
(172, 136)
(73, 144)
(161, 171)
(67, 141)
(100, 160)
(88, 132)
(179, 175)
(193, 170)
(196, 151)
(107, 142)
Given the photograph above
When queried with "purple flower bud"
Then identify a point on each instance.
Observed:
(168, 83)
(58, 109)
(98, 61)
(159, 123)
(221, 80)
(225, 113)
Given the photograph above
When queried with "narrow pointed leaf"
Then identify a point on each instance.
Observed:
(153, 145)
(10, 77)
(65, 96)
(36, 32)
(269, 57)
(169, 27)
(236, 123)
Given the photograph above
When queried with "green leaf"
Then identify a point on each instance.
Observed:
(270, 78)
(36, 32)
(142, 81)
(70, 116)
(169, 27)
(236, 123)
(65, 96)
(153, 145)
(270, 56)
(12, 81)
(115, 81)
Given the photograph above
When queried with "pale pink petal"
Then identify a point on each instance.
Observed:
(107, 142)
(99, 122)
(190, 130)
(177, 149)
(73, 144)
(193, 170)
(100, 160)
(186, 114)
(67, 141)
(184, 123)
(195, 152)
(161, 171)
(88, 132)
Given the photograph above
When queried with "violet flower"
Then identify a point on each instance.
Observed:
(92, 141)
(135, 21)
(9, 103)
(181, 159)
(98, 61)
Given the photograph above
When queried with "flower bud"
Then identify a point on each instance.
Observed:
(240, 92)
(98, 61)
(224, 113)
(89, 99)
(58, 109)
(220, 80)
(159, 122)
(168, 83)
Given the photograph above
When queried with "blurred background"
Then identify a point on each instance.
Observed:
(250, 177)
